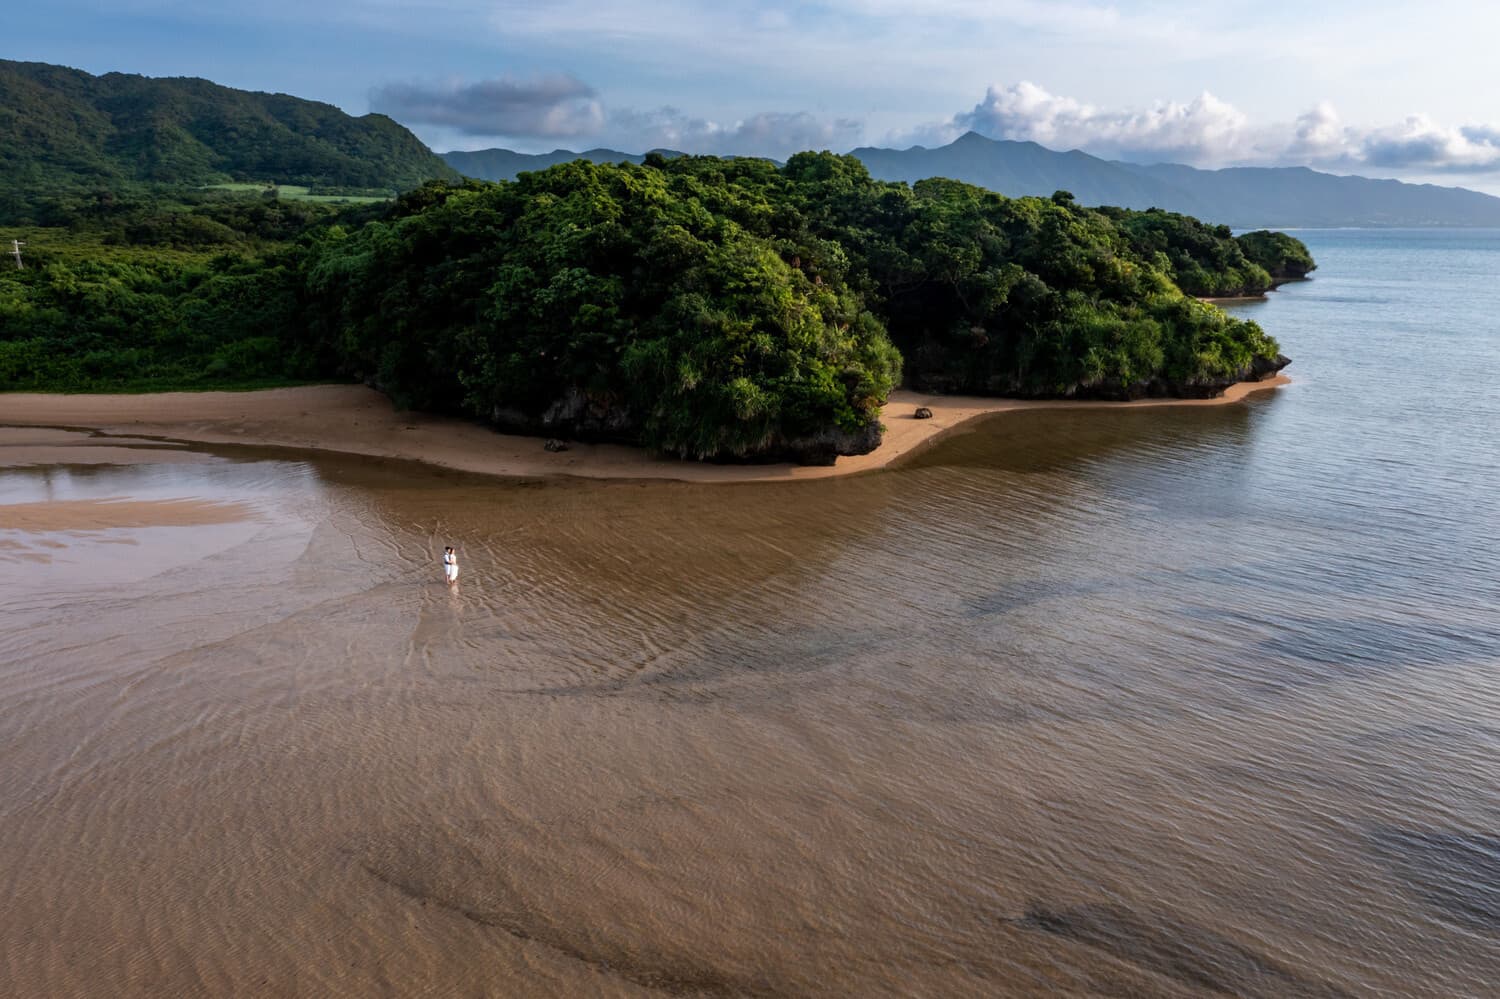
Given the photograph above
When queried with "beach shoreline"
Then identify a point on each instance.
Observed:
(356, 420)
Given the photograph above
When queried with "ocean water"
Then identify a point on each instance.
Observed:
(1150, 702)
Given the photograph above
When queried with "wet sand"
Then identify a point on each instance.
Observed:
(1166, 702)
(108, 514)
(1012, 720)
(42, 446)
(354, 419)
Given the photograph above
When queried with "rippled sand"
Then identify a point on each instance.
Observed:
(1049, 711)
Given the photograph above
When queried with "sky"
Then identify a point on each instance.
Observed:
(1378, 88)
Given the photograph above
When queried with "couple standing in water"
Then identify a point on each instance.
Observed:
(450, 565)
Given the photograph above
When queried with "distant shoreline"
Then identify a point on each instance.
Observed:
(355, 420)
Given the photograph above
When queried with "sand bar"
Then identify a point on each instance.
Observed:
(104, 514)
(354, 419)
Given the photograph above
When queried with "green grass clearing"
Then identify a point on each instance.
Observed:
(296, 192)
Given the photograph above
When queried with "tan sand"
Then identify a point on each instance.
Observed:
(21, 447)
(354, 419)
(102, 514)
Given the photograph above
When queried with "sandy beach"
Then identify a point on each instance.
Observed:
(353, 419)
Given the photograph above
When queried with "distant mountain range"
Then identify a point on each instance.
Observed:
(63, 128)
(502, 164)
(1247, 197)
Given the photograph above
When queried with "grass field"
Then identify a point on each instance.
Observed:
(45, 245)
(293, 192)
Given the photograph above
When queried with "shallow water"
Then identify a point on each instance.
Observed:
(1161, 702)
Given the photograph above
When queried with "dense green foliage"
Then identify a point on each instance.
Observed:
(186, 219)
(200, 289)
(1283, 257)
(1017, 296)
(84, 316)
(633, 301)
(708, 308)
(1202, 259)
(67, 130)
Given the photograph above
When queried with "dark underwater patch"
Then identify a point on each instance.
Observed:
(1458, 873)
(1184, 953)
(462, 869)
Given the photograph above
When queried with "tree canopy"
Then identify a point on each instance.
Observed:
(1283, 257)
(708, 308)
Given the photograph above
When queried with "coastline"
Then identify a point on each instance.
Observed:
(356, 420)
(1246, 299)
(1234, 299)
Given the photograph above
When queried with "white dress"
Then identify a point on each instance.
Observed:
(450, 566)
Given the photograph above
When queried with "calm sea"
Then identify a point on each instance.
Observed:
(1151, 702)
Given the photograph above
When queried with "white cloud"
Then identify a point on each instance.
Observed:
(1419, 142)
(1207, 131)
(1203, 127)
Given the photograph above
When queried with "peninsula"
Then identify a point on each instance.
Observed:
(701, 308)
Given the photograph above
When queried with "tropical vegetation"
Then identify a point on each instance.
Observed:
(708, 308)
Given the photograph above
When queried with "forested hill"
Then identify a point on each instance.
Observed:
(1241, 196)
(708, 308)
(63, 128)
(1016, 169)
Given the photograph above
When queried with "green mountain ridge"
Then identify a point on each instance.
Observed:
(1301, 196)
(1016, 169)
(503, 164)
(63, 128)
(1243, 197)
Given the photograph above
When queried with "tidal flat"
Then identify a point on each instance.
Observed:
(1156, 701)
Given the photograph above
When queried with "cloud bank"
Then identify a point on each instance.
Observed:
(776, 134)
(1204, 127)
(1207, 131)
(561, 106)
(553, 106)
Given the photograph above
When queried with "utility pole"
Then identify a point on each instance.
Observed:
(15, 247)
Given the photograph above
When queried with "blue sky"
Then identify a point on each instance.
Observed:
(1379, 88)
